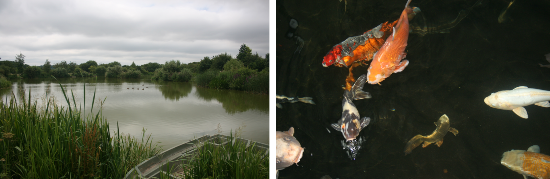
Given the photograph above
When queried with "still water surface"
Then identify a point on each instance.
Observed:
(172, 112)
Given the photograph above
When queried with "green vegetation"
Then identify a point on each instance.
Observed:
(4, 83)
(224, 157)
(246, 72)
(53, 141)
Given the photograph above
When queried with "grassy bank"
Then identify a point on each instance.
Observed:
(53, 141)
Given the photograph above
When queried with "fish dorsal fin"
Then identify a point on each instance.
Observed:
(534, 148)
(521, 112)
(520, 87)
(290, 131)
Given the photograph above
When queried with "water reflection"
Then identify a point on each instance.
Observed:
(235, 101)
(174, 91)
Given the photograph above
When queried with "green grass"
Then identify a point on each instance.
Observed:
(232, 160)
(53, 141)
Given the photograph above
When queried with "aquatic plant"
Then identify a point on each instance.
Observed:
(54, 141)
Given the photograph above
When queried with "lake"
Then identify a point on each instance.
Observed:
(172, 112)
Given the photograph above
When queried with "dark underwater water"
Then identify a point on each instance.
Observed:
(449, 73)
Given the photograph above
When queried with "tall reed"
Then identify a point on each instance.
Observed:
(57, 142)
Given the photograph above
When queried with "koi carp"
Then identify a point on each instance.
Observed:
(284, 99)
(351, 124)
(517, 98)
(289, 150)
(359, 48)
(388, 59)
(442, 127)
(528, 163)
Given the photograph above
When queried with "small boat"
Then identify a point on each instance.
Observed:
(172, 158)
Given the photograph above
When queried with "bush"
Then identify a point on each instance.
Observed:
(259, 82)
(233, 64)
(132, 73)
(32, 72)
(205, 78)
(60, 73)
(241, 78)
(4, 83)
(100, 71)
(114, 72)
(184, 75)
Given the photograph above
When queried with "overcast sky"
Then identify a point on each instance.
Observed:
(131, 30)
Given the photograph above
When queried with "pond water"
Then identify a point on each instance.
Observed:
(172, 112)
(449, 73)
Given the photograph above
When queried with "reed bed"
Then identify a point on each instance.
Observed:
(54, 141)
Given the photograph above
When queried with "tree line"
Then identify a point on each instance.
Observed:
(202, 72)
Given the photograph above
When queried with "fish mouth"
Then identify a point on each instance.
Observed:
(352, 147)
(297, 159)
(325, 65)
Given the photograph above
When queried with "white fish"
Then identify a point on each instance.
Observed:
(517, 98)
(289, 150)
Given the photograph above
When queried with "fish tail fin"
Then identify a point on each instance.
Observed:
(407, 5)
(306, 100)
(413, 143)
(357, 89)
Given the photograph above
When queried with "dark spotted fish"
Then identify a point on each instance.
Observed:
(350, 124)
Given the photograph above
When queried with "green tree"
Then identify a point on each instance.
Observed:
(92, 69)
(194, 67)
(62, 64)
(60, 73)
(257, 62)
(115, 63)
(219, 61)
(31, 72)
(20, 62)
(100, 71)
(267, 60)
(233, 65)
(151, 66)
(72, 67)
(114, 72)
(205, 64)
(47, 67)
(86, 66)
(244, 53)
(133, 65)
(172, 66)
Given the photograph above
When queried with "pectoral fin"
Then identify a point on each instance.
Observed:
(401, 66)
(364, 122)
(534, 148)
(425, 144)
(453, 130)
(336, 127)
(521, 112)
(439, 143)
(543, 104)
